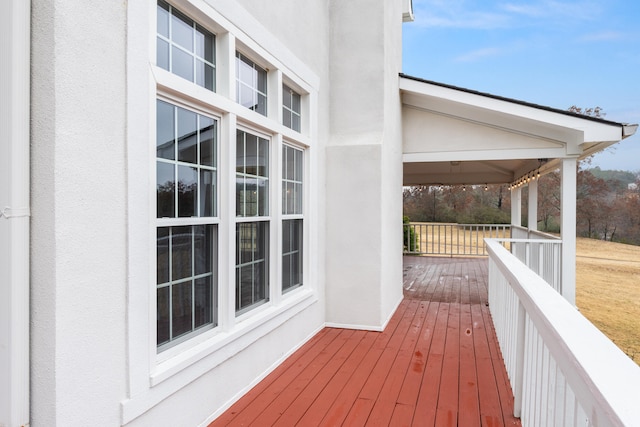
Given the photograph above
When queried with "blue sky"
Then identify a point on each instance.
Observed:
(553, 53)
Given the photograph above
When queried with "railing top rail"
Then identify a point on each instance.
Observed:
(536, 232)
(461, 225)
(600, 373)
(509, 240)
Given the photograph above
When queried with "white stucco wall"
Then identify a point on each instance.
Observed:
(89, 242)
(78, 213)
(364, 165)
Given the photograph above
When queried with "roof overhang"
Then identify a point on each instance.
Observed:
(459, 136)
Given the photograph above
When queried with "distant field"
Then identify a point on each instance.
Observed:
(608, 291)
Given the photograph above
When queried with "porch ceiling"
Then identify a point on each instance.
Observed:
(457, 136)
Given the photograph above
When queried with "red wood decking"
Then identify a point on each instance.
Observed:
(437, 363)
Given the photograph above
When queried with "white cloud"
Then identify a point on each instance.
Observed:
(457, 14)
(602, 36)
(486, 15)
(556, 10)
(480, 54)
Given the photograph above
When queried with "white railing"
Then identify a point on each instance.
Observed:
(563, 370)
(519, 232)
(422, 238)
(543, 256)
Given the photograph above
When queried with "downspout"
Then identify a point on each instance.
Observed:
(15, 22)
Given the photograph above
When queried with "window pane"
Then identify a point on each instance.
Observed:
(165, 180)
(246, 73)
(209, 77)
(251, 264)
(290, 164)
(263, 198)
(263, 157)
(262, 104)
(190, 303)
(182, 63)
(162, 315)
(207, 141)
(187, 136)
(250, 197)
(286, 271)
(298, 198)
(246, 97)
(182, 46)
(182, 30)
(292, 253)
(240, 156)
(251, 154)
(295, 122)
(295, 102)
(205, 46)
(165, 130)
(286, 96)
(187, 191)
(207, 193)
(240, 194)
(261, 76)
(181, 313)
(163, 18)
(299, 165)
(244, 291)
(203, 301)
(286, 117)
(202, 251)
(162, 263)
(162, 54)
(181, 252)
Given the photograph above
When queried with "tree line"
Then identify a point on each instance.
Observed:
(607, 207)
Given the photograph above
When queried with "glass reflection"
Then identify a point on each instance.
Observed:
(165, 179)
(165, 130)
(187, 136)
(187, 191)
(181, 317)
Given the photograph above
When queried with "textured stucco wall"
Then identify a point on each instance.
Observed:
(78, 212)
(364, 164)
(80, 243)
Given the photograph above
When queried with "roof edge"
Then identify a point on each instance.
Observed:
(625, 127)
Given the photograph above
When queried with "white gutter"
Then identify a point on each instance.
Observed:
(15, 21)
(628, 130)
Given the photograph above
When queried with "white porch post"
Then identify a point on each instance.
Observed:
(516, 206)
(532, 217)
(568, 228)
(14, 212)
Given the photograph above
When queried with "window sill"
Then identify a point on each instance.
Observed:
(241, 336)
(178, 371)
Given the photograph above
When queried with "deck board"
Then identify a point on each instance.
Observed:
(437, 363)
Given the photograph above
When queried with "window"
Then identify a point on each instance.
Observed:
(292, 224)
(251, 84)
(190, 225)
(290, 108)
(186, 183)
(252, 237)
(185, 48)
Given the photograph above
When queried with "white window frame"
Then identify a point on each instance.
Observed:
(193, 54)
(297, 216)
(289, 110)
(182, 221)
(155, 376)
(252, 87)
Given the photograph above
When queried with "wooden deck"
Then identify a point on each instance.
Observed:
(437, 363)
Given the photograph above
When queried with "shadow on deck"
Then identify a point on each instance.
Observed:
(437, 363)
